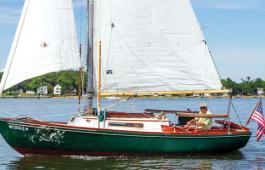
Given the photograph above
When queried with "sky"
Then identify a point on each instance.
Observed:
(234, 31)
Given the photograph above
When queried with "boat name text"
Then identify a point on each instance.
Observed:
(17, 127)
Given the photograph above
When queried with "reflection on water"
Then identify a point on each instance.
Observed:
(250, 157)
(147, 162)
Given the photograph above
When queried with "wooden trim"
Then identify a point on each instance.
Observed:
(38, 124)
(168, 111)
(210, 133)
(138, 119)
(188, 113)
(159, 93)
(203, 115)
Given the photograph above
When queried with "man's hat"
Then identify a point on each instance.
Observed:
(203, 104)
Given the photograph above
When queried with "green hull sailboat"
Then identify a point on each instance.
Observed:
(29, 136)
(135, 48)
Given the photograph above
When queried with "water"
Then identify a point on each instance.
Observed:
(252, 156)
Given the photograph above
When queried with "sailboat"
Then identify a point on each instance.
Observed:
(136, 48)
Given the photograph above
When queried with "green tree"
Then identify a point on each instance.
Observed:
(67, 79)
(230, 84)
(1, 74)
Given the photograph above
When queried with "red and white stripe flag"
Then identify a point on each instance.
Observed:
(257, 115)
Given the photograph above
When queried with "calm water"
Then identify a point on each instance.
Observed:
(250, 157)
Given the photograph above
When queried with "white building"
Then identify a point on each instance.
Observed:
(57, 90)
(20, 91)
(260, 91)
(207, 95)
(43, 90)
(30, 92)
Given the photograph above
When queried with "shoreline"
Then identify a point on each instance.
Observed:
(83, 97)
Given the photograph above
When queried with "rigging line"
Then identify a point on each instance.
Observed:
(159, 118)
(213, 61)
(81, 21)
(115, 104)
(210, 53)
(84, 47)
(132, 104)
(10, 114)
(205, 58)
(236, 114)
(110, 36)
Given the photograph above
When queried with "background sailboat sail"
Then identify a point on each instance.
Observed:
(151, 45)
(45, 41)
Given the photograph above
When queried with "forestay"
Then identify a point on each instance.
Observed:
(45, 41)
(151, 45)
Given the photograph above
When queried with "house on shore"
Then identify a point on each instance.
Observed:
(260, 91)
(43, 90)
(57, 90)
(30, 92)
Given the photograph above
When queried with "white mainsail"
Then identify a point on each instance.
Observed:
(151, 45)
(45, 42)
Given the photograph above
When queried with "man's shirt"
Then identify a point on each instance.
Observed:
(206, 121)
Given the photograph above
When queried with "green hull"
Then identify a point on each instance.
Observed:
(45, 138)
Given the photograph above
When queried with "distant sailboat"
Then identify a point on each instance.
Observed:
(136, 48)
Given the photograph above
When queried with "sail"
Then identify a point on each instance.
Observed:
(45, 41)
(151, 45)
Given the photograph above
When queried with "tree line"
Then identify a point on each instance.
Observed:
(69, 80)
(247, 86)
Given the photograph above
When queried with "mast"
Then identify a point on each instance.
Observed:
(90, 89)
(99, 79)
(80, 77)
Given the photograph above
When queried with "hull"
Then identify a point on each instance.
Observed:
(29, 136)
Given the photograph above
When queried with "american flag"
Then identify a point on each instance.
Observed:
(257, 115)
